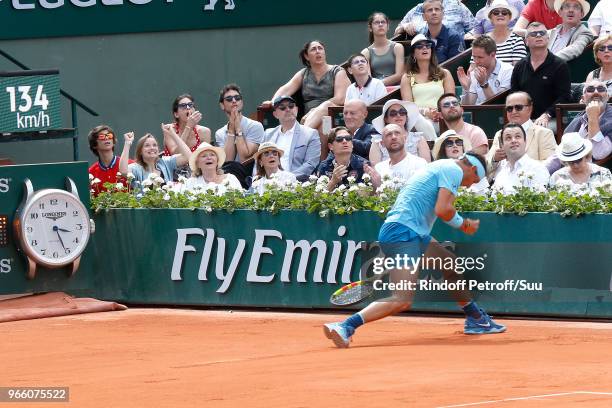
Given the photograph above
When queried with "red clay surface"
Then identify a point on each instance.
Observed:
(193, 358)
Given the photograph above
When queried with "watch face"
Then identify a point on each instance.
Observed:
(54, 227)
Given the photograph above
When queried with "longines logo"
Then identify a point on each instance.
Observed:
(4, 185)
(5, 265)
(54, 215)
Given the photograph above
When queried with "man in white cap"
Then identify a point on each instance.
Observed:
(302, 144)
(569, 39)
(518, 169)
(575, 152)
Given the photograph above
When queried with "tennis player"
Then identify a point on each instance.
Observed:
(429, 194)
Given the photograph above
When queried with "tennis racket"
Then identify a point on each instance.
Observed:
(355, 292)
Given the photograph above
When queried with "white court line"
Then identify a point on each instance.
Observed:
(526, 398)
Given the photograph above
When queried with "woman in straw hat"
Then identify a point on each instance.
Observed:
(575, 153)
(206, 174)
(269, 168)
(451, 145)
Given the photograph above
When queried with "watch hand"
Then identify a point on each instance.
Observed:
(60, 239)
(63, 230)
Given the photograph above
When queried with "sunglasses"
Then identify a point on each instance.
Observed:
(359, 61)
(340, 139)
(187, 105)
(106, 136)
(231, 98)
(502, 12)
(604, 48)
(285, 107)
(599, 88)
(270, 153)
(420, 46)
(517, 108)
(451, 143)
(448, 104)
(394, 113)
(536, 34)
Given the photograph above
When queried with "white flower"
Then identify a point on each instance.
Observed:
(119, 186)
(323, 180)
(342, 187)
(323, 213)
(91, 177)
(383, 196)
(182, 179)
(148, 182)
(312, 178)
(159, 180)
(95, 181)
(361, 185)
(139, 196)
(145, 190)
(351, 179)
(152, 176)
(165, 187)
(130, 175)
(92, 191)
(167, 197)
(118, 174)
(353, 188)
(208, 209)
(306, 184)
(366, 177)
(320, 188)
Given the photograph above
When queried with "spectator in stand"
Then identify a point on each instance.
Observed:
(365, 87)
(386, 57)
(240, 137)
(342, 164)
(600, 22)
(406, 115)
(569, 39)
(322, 86)
(186, 119)
(425, 81)
(446, 43)
(355, 113)
(269, 169)
(301, 142)
(457, 17)
(517, 169)
(543, 75)
(594, 124)
(602, 50)
(206, 173)
(541, 142)
(102, 141)
(575, 153)
(452, 114)
(487, 77)
(541, 11)
(510, 46)
(148, 160)
(483, 23)
(451, 145)
(400, 163)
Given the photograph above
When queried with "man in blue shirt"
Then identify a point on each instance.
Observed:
(447, 42)
(428, 195)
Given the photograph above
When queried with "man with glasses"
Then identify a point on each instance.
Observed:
(540, 141)
(569, 39)
(342, 163)
(102, 141)
(487, 77)
(447, 42)
(241, 136)
(517, 169)
(595, 123)
(301, 143)
(355, 112)
(452, 113)
(365, 87)
(543, 75)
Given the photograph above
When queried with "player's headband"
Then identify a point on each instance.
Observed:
(480, 170)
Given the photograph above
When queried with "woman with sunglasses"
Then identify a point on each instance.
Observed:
(602, 50)
(186, 119)
(407, 116)
(451, 145)
(385, 56)
(510, 46)
(148, 158)
(485, 26)
(322, 85)
(425, 81)
(574, 151)
(269, 169)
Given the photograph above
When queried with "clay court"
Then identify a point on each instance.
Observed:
(202, 358)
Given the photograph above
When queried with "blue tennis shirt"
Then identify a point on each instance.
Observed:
(416, 202)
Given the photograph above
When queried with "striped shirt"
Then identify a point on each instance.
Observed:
(512, 50)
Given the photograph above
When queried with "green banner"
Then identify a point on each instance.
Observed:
(29, 101)
(52, 18)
